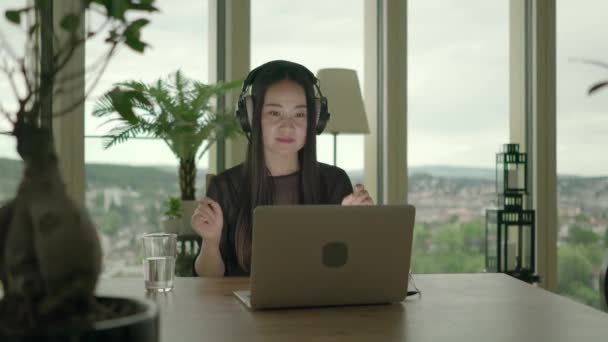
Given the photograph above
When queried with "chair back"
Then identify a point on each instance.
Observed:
(604, 284)
(189, 245)
(208, 178)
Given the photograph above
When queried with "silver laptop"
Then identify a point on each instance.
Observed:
(326, 255)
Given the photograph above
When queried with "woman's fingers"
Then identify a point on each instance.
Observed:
(209, 214)
(347, 200)
(215, 207)
(209, 203)
(197, 220)
(357, 200)
(203, 209)
(368, 201)
(362, 199)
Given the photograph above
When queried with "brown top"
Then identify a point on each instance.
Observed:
(286, 189)
(225, 188)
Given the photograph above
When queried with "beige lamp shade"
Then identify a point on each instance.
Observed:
(345, 103)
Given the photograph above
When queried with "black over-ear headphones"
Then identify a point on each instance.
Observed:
(244, 108)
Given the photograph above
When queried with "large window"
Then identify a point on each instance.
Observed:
(127, 184)
(582, 123)
(13, 39)
(10, 168)
(458, 93)
(318, 34)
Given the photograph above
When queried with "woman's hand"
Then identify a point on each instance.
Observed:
(359, 197)
(208, 221)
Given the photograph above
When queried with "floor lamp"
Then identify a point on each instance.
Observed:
(341, 87)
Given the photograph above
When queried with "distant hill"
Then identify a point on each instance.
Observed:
(453, 171)
(148, 179)
(144, 179)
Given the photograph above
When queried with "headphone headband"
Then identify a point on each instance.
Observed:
(244, 109)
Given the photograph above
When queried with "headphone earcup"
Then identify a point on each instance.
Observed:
(322, 113)
(243, 114)
(249, 107)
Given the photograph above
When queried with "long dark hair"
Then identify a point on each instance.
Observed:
(258, 188)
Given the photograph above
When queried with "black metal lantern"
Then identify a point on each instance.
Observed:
(511, 170)
(510, 229)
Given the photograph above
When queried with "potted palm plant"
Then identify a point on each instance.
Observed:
(48, 290)
(176, 109)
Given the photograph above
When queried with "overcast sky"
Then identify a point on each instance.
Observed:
(458, 74)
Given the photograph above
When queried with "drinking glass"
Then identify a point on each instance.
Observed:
(160, 251)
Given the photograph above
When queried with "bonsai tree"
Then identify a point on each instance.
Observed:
(48, 287)
(176, 109)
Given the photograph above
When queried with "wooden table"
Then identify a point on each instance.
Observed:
(459, 307)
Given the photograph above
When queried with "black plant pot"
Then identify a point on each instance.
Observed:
(139, 326)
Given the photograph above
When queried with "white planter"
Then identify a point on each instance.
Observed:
(188, 208)
(171, 225)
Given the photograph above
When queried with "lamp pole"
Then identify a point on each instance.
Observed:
(335, 134)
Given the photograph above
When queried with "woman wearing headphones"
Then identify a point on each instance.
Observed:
(281, 114)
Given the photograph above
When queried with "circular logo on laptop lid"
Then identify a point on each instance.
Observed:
(335, 254)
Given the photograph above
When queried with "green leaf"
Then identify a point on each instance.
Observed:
(33, 29)
(13, 16)
(133, 30)
(136, 45)
(144, 5)
(117, 8)
(113, 36)
(597, 86)
(139, 23)
(121, 134)
(70, 22)
(39, 3)
(175, 108)
(122, 103)
(132, 35)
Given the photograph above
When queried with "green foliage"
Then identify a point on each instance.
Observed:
(474, 236)
(584, 294)
(178, 110)
(578, 261)
(140, 178)
(70, 35)
(575, 271)
(114, 11)
(573, 266)
(581, 218)
(578, 235)
(132, 35)
(173, 208)
(459, 248)
(111, 222)
(14, 16)
(448, 248)
(606, 238)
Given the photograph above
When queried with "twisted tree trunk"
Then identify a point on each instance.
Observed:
(51, 253)
(187, 178)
